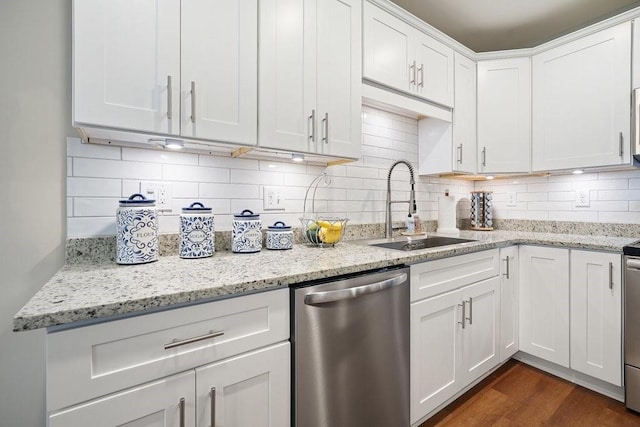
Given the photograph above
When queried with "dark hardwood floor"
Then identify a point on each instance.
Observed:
(520, 395)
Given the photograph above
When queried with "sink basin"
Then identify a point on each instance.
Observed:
(428, 242)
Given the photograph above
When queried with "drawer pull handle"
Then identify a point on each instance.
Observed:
(213, 406)
(182, 412)
(178, 343)
(464, 317)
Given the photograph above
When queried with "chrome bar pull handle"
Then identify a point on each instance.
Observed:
(178, 343)
(181, 406)
(312, 127)
(463, 313)
(470, 318)
(460, 153)
(325, 122)
(621, 138)
(507, 261)
(412, 70)
(611, 275)
(421, 70)
(169, 98)
(484, 156)
(193, 102)
(212, 394)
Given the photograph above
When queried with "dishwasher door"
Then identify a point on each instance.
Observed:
(351, 351)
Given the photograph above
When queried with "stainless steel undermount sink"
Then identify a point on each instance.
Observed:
(428, 242)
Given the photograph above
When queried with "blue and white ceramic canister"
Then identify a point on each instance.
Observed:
(196, 231)
(279, 236)
(136, 230)
(247, 232)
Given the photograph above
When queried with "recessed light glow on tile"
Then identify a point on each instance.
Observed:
(578, 171)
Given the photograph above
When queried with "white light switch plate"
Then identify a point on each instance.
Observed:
(273, 198)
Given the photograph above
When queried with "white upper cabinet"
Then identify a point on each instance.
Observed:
(310, 76)
(124, 56)
(219, 70)
(504, 115)
(581, 102)
(400, 56)
(167, 67)
(464, 116)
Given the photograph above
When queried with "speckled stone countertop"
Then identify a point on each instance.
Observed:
(98, 290)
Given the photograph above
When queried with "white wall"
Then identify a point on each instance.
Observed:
(34, 120)
(99, 175)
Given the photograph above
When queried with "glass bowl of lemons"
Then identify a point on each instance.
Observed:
(323, 232)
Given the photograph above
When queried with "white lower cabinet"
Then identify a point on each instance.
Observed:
(228, 360)
(248, 390)
(161, 403)
(596, 315)
(454, 334)
(509, 302)
(571, 309)
(544, 303)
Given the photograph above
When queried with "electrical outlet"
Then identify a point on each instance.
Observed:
(273, 198)
(161, 192)
(582, 198)
(512, 199)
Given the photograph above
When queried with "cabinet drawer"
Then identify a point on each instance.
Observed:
(91, 361)
(435, 277)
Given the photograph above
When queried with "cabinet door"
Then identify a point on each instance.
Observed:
(156, 404)
(434, 69)
(436, 326)
(596, 315)
(464, 115)
(339, 77)
(581, 109)
(252, 389)
(124, 54)
(544, 303)
(480, 351)
(287, 75)
(504, 115)
(386, 49)
(508, 302)
(219, 47)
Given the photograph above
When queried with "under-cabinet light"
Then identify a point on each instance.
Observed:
(297, 157)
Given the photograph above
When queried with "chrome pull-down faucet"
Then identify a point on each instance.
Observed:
(412, 197)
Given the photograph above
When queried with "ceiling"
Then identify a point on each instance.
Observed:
(489, 25)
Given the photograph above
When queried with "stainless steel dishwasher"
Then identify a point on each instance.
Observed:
(351, 351)
(631, 322)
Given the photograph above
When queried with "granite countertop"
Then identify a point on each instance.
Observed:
(82, 292)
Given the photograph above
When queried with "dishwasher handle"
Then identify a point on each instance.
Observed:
(316, 298)
(633, 264)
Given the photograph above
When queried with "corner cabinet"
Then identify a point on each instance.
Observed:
(310, 76)
(596, 315)
(504, 115)
(454, 327)
(581, 102)
(161, 67)
(544, 303)
(400, 56)
(200, 365)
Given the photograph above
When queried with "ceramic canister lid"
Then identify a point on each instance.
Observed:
(279, 226)
(247, 214)
(137, 200)
(196, 207)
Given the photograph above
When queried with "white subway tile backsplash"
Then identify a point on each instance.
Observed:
(99, 168)
(573, 216)
(91, 227)
(256, 177)
(619, 217)
(69, 207)
(94, 207)
(93, 187)
(229, 191)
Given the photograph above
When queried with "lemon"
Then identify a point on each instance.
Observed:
(328, 235)
(336, 226)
